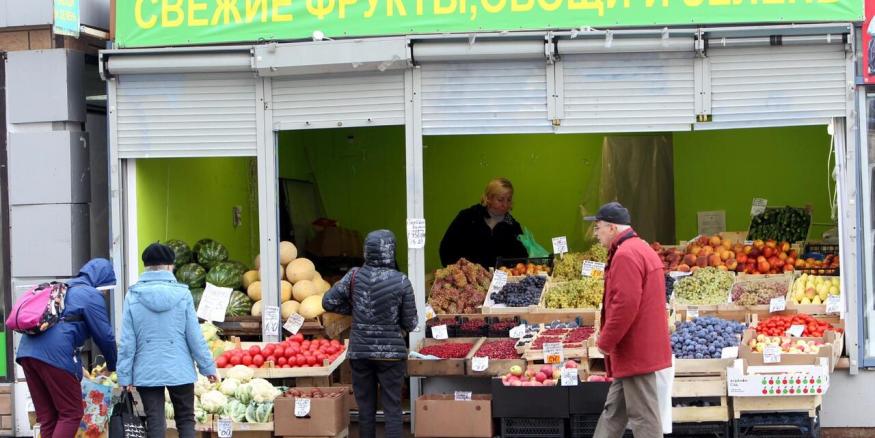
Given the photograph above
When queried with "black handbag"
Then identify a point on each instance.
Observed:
(125, 423)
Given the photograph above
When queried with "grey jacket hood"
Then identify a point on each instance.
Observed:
(380, 249)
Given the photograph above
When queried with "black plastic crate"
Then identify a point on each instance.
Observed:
(701, 430)
(831, 272)
(777, 425)
(505, 333)
(583, 426)
(529, 401)
(451, 328)
(822, 248)
(588, 398)
(533, 428)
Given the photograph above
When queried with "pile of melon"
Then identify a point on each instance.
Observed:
(302, 286)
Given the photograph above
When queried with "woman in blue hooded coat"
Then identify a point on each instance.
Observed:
(50, 360)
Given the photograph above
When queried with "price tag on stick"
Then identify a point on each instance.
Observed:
(416, 233)
(479, 364)
(462, 395)
(729, 353)
(518, 331)
(553, 353)
(499, 279)
(560, 245)
(795, 330)
(294, 323)
(772, 354)
(834, 304)
(589, 267)
(271, 320)
(777, 304)
(570, 377)
(439, 332)
(758, 206)
(223, 426)
(302, 407)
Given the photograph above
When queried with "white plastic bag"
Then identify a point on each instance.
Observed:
(664, 383)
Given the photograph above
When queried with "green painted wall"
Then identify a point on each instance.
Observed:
(193, 198)
(359, 173)
(552, 176)
(725, 170)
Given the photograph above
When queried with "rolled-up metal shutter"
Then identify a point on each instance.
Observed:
(496, 97)
(185, 115)
(627, 92)
(789, 85)
(338, 100)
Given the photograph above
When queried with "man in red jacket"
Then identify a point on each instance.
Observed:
(634, 331)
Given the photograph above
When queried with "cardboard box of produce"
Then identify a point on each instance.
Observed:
(327, 417)
(830, 350)
(440, 415)
(809, 377)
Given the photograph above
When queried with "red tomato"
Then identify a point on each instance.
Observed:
(268, 350)
(294, 349)
(285, 366)
(270, 359)
(281, 361)
(253, 350)
(300, 360)
(290, 353)
(279, 352)
(313, 347)
(298, 337)
(221, 362)
(311, 360)
(247, 360)
(252, 366)
(335, 342)
(258, 360)
(235, 360)
(320, 357)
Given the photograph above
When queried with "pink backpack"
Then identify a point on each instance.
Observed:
(38, 309)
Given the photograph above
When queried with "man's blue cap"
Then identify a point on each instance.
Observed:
(612, 212)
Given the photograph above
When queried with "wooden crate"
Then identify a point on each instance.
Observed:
(325, 370)
(443, 367)
(542, 307)
(702, 367)
(489, 307)
(569, 353)
(794, 403)
(708, 387)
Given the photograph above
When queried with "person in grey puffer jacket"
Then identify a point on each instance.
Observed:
(383, 308)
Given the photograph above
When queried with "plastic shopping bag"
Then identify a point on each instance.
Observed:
(96, 399)
(534, 249)
(664, 383)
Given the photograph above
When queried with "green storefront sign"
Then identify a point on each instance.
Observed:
(142, 23)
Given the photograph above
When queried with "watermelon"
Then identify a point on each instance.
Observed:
(192, 275)
(239, 266)
(211, 253)
(182, 251)
(239, 305)
(225, 274)
(196, 295)
(197, 247)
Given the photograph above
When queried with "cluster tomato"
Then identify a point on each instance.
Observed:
(295, 351)
(778, 325)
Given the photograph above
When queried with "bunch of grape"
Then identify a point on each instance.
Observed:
(577, 294)
(523, 293)
(754, 292)
(669, 286)
(706, 286)
(705, 338)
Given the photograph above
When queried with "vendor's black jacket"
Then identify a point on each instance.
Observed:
(469, 237)
(380, 300)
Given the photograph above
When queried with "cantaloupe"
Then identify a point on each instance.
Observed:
(250, 277)
(288, 308)
(257, 262)
(254, 291)
(256, 308)
(322, 286)
(311, 307)
(288, 252)
(286, 291)
(316, 276)
(303, 289)
(300, 269)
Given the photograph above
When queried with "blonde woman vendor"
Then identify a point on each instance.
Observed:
(486, 230)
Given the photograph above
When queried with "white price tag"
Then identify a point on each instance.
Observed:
(462, 395)
(415, 233)
(270, 321)
(302, 407)
(518, 331)
(777, 304)
(214, 303)
(294, 323)
(834, 304)
(570, 377)
(590, 266)
(748, 242)
(758, 206)
(553, 353)
(692, 313)
(480, 364)
(223, 426)
(429, 312)
(560, 245)
(499, 279)
(772, 354)
(729, 353)
(439, 332)
(795, 330)
(677, 275)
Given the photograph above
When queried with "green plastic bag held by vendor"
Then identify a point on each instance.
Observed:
(532, 246)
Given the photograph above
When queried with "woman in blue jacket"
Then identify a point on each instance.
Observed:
(160, 342)
(51, 360)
